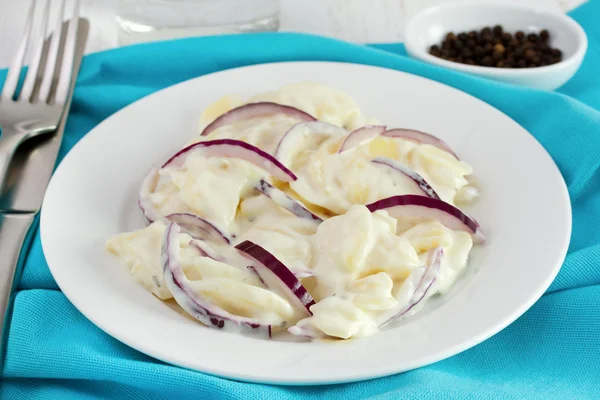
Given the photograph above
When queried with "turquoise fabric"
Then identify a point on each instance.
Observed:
(551, 352)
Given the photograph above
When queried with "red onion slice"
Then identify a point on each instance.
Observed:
(419, 137)
(148, 185)
(194, 303)
(301, 273)
(205, 250)
(419, 282)
(231, 148)
(285, 201)
(361, 136)
(252, 110)
(289, 142)
(277, 276)
(417, 179)
(198, 228)
(412, 205)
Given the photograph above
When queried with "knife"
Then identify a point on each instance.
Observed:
(22, 198)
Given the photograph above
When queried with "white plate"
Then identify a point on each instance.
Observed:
(524, 210)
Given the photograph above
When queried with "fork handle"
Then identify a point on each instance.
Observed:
(8, 146)
(14, 229)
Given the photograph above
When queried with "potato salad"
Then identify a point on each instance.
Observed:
(293, 213)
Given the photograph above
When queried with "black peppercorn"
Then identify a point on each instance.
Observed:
(493, 47)
(529, 54)
(497, 56)
(539, 46)
(519, 51)
(547, 58)
(520, 36)
(487, 38)
(435, 51)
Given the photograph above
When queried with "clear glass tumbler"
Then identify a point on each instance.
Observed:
(150, 20)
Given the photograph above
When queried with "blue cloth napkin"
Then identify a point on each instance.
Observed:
(551, 352)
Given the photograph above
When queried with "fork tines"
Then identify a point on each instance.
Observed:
(49, 75)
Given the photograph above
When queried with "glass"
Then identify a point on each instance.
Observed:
(149, 20)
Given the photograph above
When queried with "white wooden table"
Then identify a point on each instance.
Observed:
(361, 21)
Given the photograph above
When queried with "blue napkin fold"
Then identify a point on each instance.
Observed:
(551, 352)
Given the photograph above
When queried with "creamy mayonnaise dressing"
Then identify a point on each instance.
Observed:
(196, 186)
(354, 263)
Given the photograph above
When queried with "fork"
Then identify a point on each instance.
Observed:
(37, 107)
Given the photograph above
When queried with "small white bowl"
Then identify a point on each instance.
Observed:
(429, 27)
